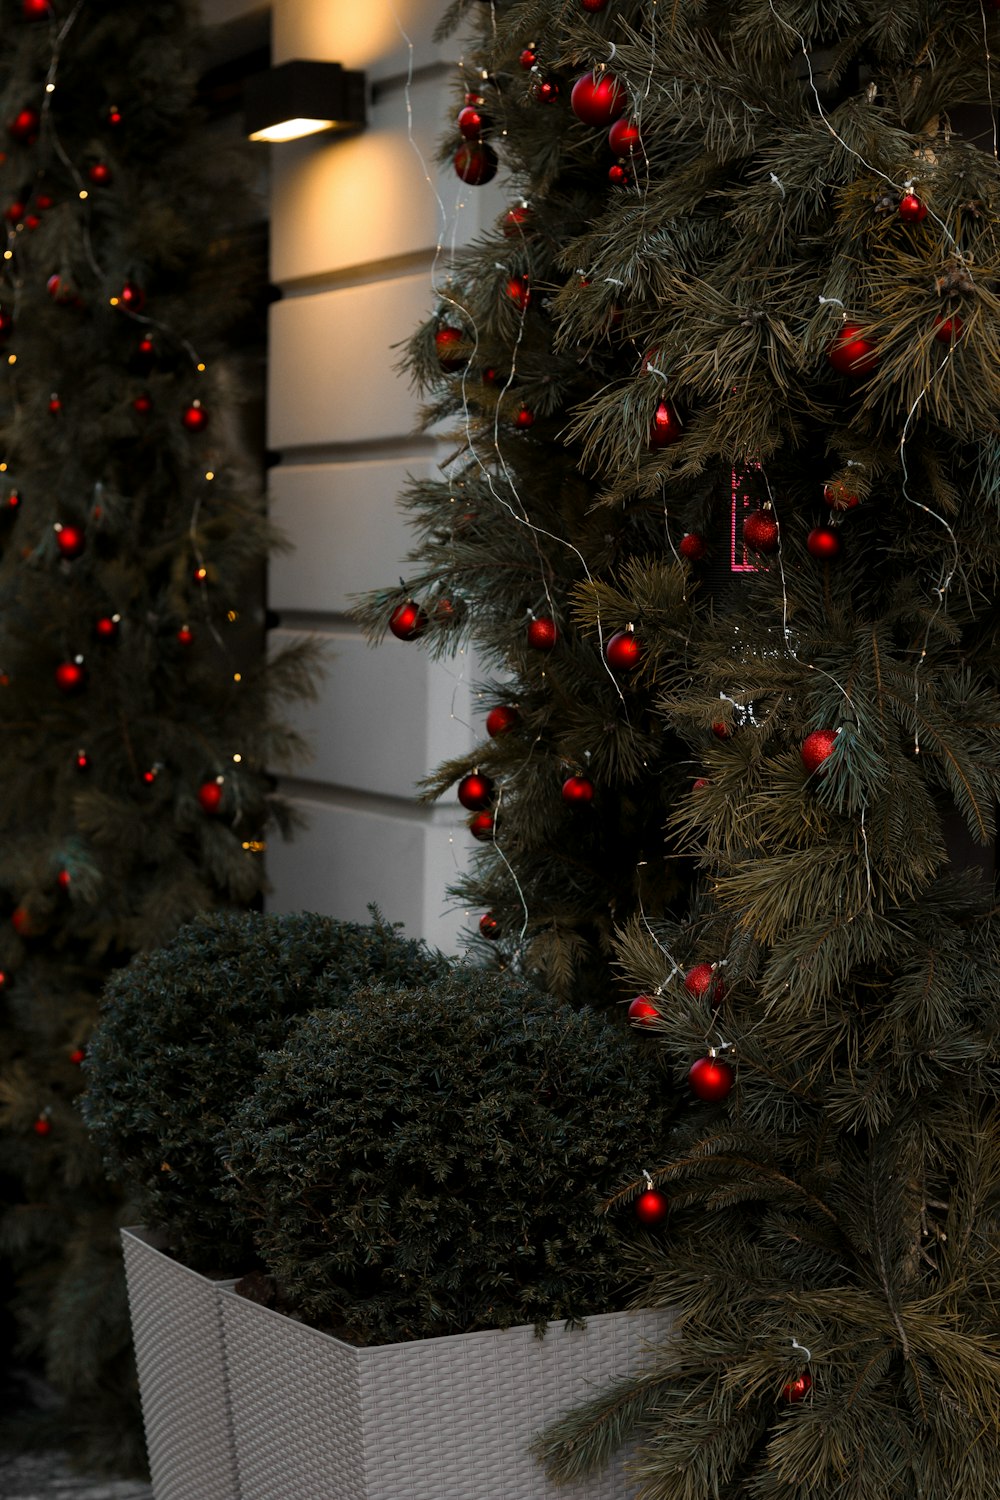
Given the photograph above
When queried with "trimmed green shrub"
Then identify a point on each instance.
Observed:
(434, 1160)
(180, 1042)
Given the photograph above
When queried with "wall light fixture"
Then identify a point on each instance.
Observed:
(303, 98)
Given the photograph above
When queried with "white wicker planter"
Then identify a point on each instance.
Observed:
(437, 1419)
(180, 1355)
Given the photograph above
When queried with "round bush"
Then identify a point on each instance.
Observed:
(434, 1160)
(180, 1042)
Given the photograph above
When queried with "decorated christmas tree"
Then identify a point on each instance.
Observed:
(138, 717)
(722, 518)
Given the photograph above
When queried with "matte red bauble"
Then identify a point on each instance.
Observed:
(711, 1080)
(210, 796)
(666, 427)
(703, 981)
(516, 220)
(692, 546)
(194, 417)
(797, 1389)
(624, 138)
(70, 540)
(823, 542)
(911, 209)
(472, 122)
(598, 99)
(817, 747)
(623, 651)
(70, 676)
(948, 330)
(447, 341)
(839, 497)
(408, 621)
(578, 791)
(518, 290)
(481, 827)
(475, 163)
(489, 927)
(132, 297)
(850, 354)
(642, 1011)
(760, 531)
(651, 1207)
(501, 719)
(542, 633)
(24, 127)
(475, 792)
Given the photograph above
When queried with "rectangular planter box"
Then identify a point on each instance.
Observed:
(179, 1351)
(436, 1419)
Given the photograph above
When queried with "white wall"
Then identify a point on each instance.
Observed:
(355, 226)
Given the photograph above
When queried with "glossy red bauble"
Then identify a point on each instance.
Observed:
(81, 760)
(642, 1011)
(6, 325)
(106, 627)
(489, 927)
(593, 6)
(598, 99)
(210, 796)
(70, 540)
(516, 288)
(64, 880)
(516, 220)
(70, 676)
(528, 58)
(542, 633)
(700, 783)
(36, 10)
(408, 621)
(666, 426)
(194, 417)
(185, 635)
(481, 827)
(61, 292)
(911, 209)
(692, 546)
(42, 1126)
(619, 175)
(447, 343)
(76, 1056)
(711, 1080)
(545, 90)
(24, 127)
(817, 748)
(20, 920)
(651, 1207)
(99, 173)
(623, 651)
(578, 791)
(524, 418)
(14, 212)
(501, 719)
(760, 531)
(823, 542)
(55, 405)
(472, 122)
(132, 297)
(948, 330)
(721, 730)
(703, 982)
(624, 138)
(797, 1389)
(839, 497)
(475, 792)
(475, 163)
(850, 354)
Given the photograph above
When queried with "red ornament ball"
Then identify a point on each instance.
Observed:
(42, 1126)
(143, 403)
(150, 776)
(185, 635)
(132, 297)
(721, 730)
(55, 405)
(408, 621)
(475, 792)
(911, 209)
(81, 760)
(14, 212)
(481, 827)
(501, 719)
(666, 427)
(545, 90)
(823, 542)
(61, 292)
(711, 1080)
(106, 628)
(71, 676)
(760, 531)
(598, 99)
(43, 201)
(623, 651)
(850, 354)
(578, 791)
(839, 497)
(24, 127)
(210, 796)
(642, 1011)
(489, 927)
(700, 783)
(64, 880)
(6, 325)
(472, 122)
(36, 10)
(692, 546)
(518, 291)
(20, 920)
(99, 173)
(524, 419)
(817, 748)
(447, 343)
(703, 982)
(76, 1056)
(651, 1207)
(797, 1389)
(70, 540)
(619, 175)
(948, 330)
(528, 58)
(624, 138)
(475, 163)
(542, 633)
(516, 220)
(194, 417)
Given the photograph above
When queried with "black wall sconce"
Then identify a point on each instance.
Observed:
(303, 98)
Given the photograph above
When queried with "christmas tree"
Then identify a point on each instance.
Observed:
(722, 516)
(138, 715)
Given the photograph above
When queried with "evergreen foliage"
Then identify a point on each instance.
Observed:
(434, 1160)
(805, 265)
(179, 1044)
(129, 684)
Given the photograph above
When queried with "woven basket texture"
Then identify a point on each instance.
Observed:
(180, 1355)
(436, 1419)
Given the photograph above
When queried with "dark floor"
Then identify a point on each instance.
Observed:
(45, 1476)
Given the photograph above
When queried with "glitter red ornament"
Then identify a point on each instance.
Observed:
(760, 531)
(501, 719)
(598, 99)
(692, 546)
(70, 539)
(408, 621)
(489, 927)
(447, 343)
(578, 791)
(542, 633)
(194, 417)
(703, 982)
(850, 354)
(948, 330)
(475, 163)
(71, 676)
(666, 427)
(24, 127)
(642, 1011)
(210, 796)
(817, 748)
(798, 1389)
(711, 1080)
(911, 209)
(481, 827)
(475, 791)
(624, 138)
(623, 651)
(651, 1207)
(823, 542)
